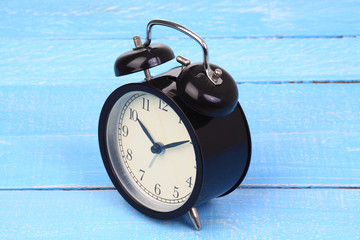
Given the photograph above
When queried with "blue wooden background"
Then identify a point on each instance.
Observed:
(297, 65)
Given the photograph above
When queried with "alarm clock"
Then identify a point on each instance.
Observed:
(172, 142)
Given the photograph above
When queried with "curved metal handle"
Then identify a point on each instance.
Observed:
(191, 34)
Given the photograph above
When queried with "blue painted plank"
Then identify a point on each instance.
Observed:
(301, 107)
(51, 161)
(261, 61)
(310, 159)
(278, 159)
(56, 71)
(75, 109)
(245, 214)
(114, 19)
(303, 134)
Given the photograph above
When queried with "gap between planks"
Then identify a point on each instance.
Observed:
(301, 82)
(272, 82)
(188, 38)
(246, 186)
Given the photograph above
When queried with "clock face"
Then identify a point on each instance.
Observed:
(151, 151)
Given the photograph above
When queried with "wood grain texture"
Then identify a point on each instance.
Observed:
(247, 60)
(247, 213)
(75, 109)
(114, 19)
(49, 138)
(279, 159)
(56, 70)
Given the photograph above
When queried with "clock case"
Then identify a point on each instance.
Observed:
(222, 145)
(221, 137)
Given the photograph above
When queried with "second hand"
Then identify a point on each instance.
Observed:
(153, 159)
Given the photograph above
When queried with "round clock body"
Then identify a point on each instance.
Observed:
(163, 157)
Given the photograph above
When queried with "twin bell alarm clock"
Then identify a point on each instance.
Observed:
(172, 142)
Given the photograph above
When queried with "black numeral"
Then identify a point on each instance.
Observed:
(176, 193)
(142, 176)
(129, 154)
(133, 114)
(146, 104)
(157, 189)
(125, 131)
(189, 182)
(163, 105)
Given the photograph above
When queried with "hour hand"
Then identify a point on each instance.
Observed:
(146, 131)
(174, 144)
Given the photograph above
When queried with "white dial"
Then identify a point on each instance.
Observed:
(154, 156)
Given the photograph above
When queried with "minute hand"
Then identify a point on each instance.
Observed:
(146, 132)
(174, 144)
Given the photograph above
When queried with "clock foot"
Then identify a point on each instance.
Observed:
(194, 217)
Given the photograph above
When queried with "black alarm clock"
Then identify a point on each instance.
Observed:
(175, 141)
